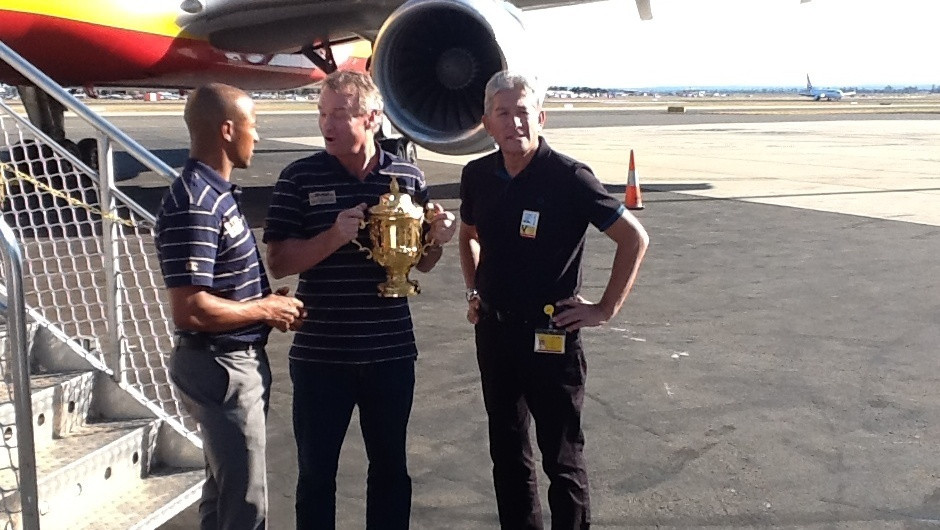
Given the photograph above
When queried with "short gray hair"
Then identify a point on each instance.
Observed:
(367, 94)
(507, 80)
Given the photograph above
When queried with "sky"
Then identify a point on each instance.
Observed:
(690, 43)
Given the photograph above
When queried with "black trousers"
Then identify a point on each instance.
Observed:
(519, 383)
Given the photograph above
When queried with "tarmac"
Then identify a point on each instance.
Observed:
(775, 364)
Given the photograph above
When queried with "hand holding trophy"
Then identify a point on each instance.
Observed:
(395, 229)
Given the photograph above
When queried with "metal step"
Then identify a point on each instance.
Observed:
(93, 472)
(60, 403)
(105, 468)
(162, 496)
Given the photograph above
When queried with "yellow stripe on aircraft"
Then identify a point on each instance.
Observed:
(157, 17)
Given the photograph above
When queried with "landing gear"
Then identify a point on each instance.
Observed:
(401, 147)
(321, 57)
(37, 207)
(88, 152)
(48, 115)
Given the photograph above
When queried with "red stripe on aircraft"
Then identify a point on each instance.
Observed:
(82, 54)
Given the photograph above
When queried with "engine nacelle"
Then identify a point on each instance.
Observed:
(432, 59)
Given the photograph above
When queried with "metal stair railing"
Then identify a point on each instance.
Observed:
(92, 277)
(14, 310)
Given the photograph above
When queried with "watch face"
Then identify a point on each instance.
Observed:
(471, 294)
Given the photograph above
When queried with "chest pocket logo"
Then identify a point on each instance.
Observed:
(234, 227)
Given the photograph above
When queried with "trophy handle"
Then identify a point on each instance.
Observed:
(428, 215)
(362, 224)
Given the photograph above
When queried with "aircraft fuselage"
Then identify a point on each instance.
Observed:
(120, 43)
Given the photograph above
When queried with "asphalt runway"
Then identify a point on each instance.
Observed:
(775, 364)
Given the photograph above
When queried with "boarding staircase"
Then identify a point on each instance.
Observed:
(94, 435)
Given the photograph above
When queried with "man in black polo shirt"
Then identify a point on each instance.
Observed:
(524, 213)
(354, 348)
(222, 307)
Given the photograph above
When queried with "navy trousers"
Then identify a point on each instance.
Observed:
(324, 397)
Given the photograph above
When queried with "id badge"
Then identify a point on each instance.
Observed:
(529, 225)
(550, 341)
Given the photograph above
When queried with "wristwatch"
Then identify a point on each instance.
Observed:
(472, 294)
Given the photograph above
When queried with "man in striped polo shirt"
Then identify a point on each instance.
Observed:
(222, 307)
(354, 347)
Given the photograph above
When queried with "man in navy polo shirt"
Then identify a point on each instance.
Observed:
(354, 349)
(524, 213)
(222, 307)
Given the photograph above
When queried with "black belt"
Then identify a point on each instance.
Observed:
(513, 316)
(216, 345)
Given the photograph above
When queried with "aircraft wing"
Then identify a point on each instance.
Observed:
(273, 26)
(430, 58)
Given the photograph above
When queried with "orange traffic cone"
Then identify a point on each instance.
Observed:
(633, 198)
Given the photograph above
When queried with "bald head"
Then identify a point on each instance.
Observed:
(221, 123)
(210, 106)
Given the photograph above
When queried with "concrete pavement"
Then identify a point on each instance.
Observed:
(774, 366)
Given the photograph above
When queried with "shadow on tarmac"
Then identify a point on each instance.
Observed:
(126, 167)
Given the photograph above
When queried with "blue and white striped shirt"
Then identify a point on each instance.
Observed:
(204, 240)
(347, 322)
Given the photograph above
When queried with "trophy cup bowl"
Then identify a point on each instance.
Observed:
(395, 230)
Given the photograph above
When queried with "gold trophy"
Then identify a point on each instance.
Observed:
(395, 228)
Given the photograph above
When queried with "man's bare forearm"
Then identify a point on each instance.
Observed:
(469, 245)
(632, 241)
(293, 256)
(195, 309)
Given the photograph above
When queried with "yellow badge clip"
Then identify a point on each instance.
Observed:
(550, 340)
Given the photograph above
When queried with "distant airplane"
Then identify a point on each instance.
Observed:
(819, 94)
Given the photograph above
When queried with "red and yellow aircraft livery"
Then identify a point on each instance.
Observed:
(139, 43)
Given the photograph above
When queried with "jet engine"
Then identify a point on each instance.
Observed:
(431, 61)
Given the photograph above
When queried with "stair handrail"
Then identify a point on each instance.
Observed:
(15, 309)
(107, 136)
(72, 103)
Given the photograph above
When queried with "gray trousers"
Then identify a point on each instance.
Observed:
(228, 393)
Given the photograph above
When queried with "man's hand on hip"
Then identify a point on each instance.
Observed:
(577, 313)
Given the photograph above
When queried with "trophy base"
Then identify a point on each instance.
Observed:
(398, 289)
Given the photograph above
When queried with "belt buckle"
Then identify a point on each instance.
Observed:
(223, 347)
(207, 343)
(510, 317)
(191, 342)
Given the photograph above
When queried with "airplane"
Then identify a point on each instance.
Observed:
(818, 94)
(114, 43)
(430, 58)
